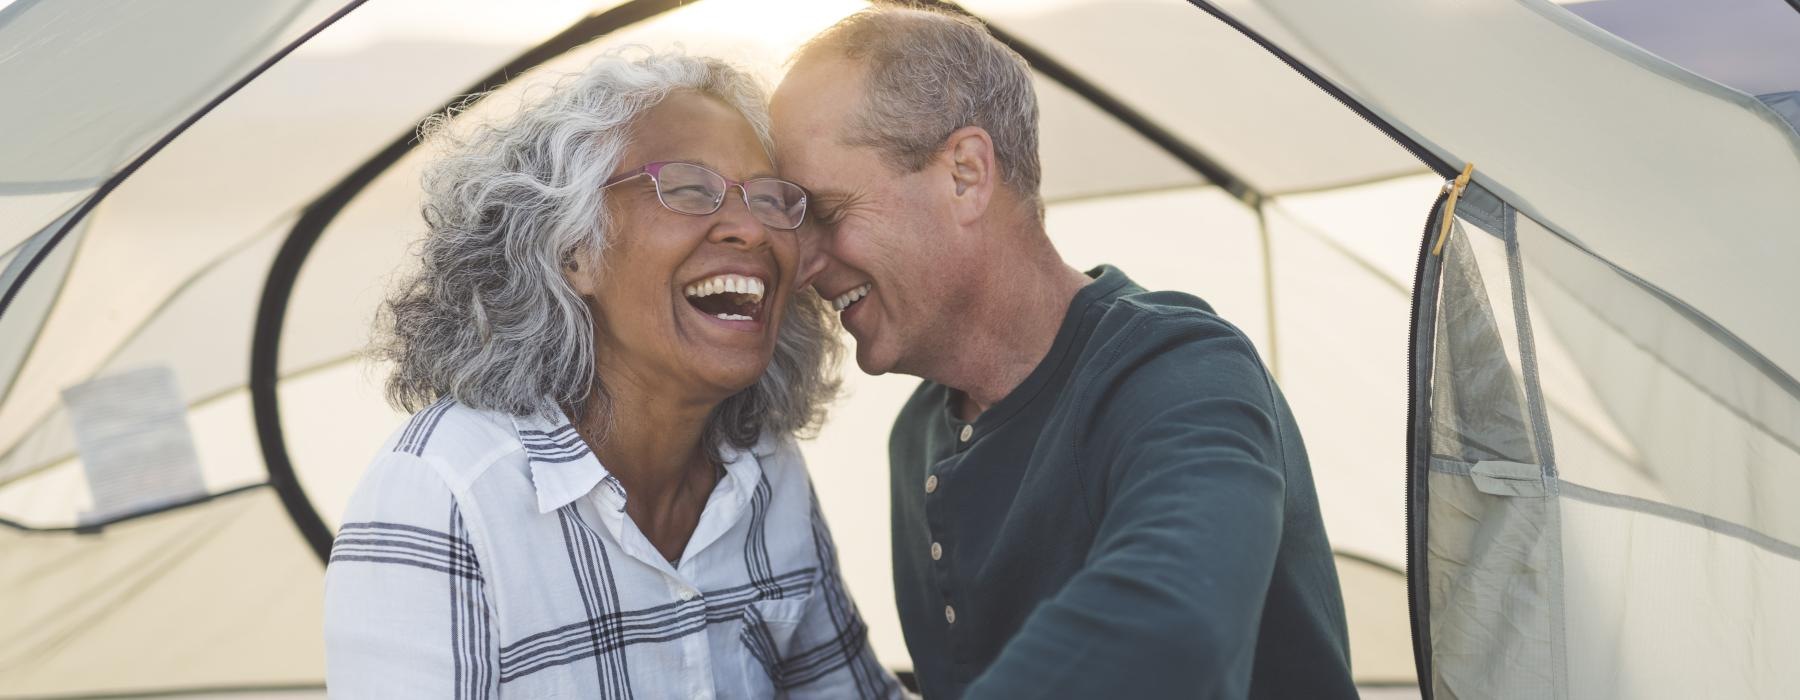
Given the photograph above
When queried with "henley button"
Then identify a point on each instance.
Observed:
(968, 431)
(949, 615)
(937, 551)
(931, 483)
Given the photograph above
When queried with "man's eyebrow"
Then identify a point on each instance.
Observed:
(832, 197)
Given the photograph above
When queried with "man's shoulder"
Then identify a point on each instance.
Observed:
(1163, 355)
(1166, 331)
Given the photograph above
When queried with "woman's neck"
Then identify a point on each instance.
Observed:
(651, 441)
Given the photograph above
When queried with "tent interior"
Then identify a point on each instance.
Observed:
(202, 205)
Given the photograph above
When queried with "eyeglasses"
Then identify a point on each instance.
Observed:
(685, 188)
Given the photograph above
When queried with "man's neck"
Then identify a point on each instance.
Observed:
(1011, 322)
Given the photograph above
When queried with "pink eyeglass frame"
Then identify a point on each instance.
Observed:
(654, 170)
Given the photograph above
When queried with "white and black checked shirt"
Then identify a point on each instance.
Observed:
(485, 554)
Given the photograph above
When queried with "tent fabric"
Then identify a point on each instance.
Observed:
(1489, 550)
(1578, 125)
(64, 73)
(1610, 484)
(223, 594)
(1604, 313)
(1747, 45)
(1786, 104)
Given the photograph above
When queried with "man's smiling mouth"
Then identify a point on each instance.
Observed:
(728, 297)
(848, 299)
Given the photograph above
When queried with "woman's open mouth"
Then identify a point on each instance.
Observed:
(727, 297)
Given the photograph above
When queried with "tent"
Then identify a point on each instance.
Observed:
(1550, 404)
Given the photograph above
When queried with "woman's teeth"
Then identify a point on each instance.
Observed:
(722, 284)
(847, 298)
(727, 297)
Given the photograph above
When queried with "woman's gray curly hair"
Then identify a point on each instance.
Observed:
(489, 320)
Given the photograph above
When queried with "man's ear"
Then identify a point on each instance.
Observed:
(973, 172)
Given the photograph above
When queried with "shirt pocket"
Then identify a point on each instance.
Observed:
(768, 636)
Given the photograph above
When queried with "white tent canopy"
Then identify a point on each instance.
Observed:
(203, 202)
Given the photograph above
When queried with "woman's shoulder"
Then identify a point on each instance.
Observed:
(449, 428)
(443, 448)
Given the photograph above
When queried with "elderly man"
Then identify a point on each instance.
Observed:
(1098, 490)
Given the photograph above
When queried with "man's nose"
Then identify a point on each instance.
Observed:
(814, 254)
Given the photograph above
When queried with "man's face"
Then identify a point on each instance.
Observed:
(886, 238)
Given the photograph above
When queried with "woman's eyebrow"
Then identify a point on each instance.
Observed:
(760, 174)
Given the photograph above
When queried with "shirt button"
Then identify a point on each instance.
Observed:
(937, 551)
(949, 615)
(687, 595)
(931, 483)
(968, 431)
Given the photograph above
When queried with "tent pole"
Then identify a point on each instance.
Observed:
(1268, 270)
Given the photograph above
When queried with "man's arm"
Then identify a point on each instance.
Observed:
(1170, 600)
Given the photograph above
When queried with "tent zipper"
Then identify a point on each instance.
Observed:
(1453, 189)
(1418, 616)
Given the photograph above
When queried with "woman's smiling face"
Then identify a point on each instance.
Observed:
(688, 305)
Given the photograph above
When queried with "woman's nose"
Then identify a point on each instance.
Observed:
(735, 225)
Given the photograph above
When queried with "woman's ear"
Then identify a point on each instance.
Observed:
(580, 271)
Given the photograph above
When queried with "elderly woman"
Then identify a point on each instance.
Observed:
(599, 495)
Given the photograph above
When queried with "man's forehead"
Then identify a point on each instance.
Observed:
(819, 90)
(813, 110)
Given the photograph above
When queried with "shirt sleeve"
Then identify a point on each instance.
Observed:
(1191, 485)
(829, 655)
(406, 613)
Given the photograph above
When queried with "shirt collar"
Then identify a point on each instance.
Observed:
(744, 467)
(563, 468)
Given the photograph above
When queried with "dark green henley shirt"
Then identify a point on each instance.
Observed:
(1136, 520)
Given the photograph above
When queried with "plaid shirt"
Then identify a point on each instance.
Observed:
(486, 554)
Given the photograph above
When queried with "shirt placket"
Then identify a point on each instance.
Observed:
(939, 517)
(696, 655)
(695, 682)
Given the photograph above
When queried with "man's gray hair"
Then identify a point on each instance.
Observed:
(489, 319)
(929, 74)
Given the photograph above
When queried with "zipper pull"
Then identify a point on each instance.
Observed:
(1455, 188)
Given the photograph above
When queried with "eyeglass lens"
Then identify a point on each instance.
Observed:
(691, 189)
